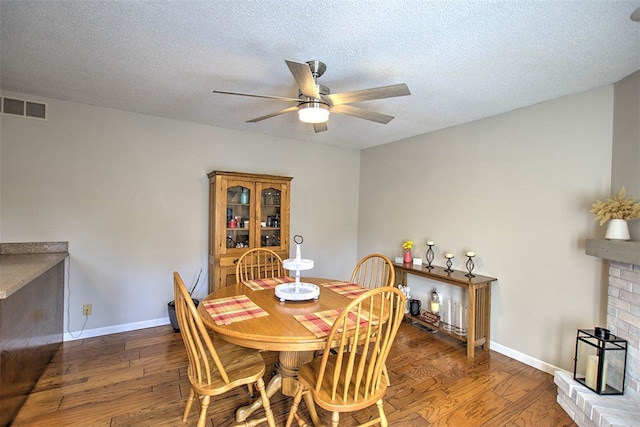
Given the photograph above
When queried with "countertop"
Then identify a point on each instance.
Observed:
(20, 263)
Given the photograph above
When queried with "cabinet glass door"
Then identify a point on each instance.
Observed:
(238, 216)
(270, 218)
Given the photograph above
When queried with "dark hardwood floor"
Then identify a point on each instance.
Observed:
(139, 379)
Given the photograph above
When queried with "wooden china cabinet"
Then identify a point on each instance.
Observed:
(246, 211)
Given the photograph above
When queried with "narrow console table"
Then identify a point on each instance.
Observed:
(478, 302)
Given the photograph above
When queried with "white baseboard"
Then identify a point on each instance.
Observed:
(520, 357)
(526, 359)
(89, 333)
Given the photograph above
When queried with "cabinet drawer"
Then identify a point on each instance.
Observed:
(229, 261)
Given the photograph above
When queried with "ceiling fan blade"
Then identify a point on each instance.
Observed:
(369, 94)
(302, 73)
(361, 113)
(320, 127)
(277, 113)
(279, 98)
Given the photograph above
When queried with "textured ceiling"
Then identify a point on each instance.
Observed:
(462, 60)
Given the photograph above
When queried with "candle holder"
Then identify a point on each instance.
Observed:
(449, 264)
(429, 256)
(447, 316)
(461, 313)
(600, 361)
(470, 265)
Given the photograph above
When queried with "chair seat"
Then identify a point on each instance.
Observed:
(308, 376)
(243, 366)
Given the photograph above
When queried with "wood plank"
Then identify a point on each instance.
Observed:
(139, 378)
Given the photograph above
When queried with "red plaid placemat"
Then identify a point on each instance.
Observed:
(232, 309)
(320, 323)
(349, 290)
(261, 284)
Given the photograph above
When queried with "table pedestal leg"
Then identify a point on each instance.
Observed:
(285, 380)
(290, 362)
(245, 412)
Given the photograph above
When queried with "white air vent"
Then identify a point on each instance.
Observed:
(20, 107)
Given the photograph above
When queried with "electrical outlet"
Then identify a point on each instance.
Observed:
(86, 309)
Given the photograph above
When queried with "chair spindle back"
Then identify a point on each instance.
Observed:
(259, 263)
(371, 323)
(374, 271)
(200, 349)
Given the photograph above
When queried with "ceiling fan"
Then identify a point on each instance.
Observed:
(315, 101)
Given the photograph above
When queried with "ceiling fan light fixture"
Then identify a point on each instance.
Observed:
(313, 112)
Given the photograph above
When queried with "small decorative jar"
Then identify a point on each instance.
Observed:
(244, 196)
(407, 257)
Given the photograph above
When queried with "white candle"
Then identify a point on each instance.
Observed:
(592, 372)
(591, 376)
(454, 314)
(448, 255)
(471, 254)
(435, 307)
(448, 312)
(430, 243)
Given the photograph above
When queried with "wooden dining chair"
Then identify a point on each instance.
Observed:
(351, 379)
(213, 371)
(374, 271)
(259, 263)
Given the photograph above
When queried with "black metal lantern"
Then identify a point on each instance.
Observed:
(600, 361)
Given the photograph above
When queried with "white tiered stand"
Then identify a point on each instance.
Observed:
(297, 291)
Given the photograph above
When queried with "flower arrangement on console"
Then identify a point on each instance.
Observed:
(617, 207)
(407, 245)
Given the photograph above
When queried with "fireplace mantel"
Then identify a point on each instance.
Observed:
(627, 252)
(623, 293)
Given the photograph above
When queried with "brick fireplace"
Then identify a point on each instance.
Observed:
(623, 320)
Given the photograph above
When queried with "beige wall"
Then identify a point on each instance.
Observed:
(130, 192)
(516, 189)
(626, 142)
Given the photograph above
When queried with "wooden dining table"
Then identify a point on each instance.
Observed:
(278, 330)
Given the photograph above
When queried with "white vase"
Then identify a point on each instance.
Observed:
(617, 229)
